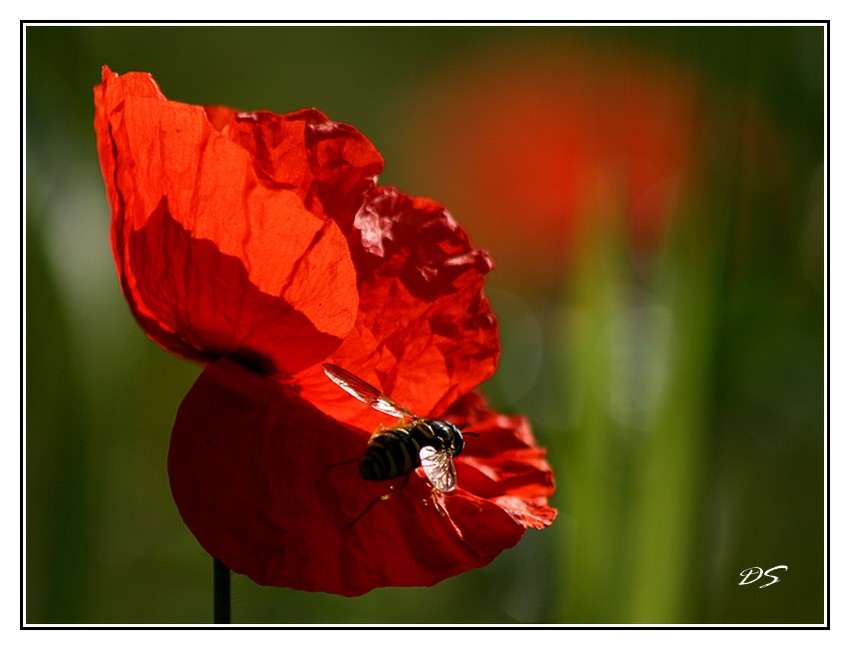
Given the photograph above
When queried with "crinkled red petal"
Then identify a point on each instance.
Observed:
(503, 463)
(208, 298)
(199, 220)
(425, 333)
(261, 478)
(329, 165)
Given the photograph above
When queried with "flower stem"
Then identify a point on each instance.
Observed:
(221, 592)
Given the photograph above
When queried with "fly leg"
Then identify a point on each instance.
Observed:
(438, 498)
(383, 497)
(343, 462)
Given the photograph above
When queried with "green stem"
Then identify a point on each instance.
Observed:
(221, 592)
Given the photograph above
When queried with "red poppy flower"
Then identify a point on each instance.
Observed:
(260, 244)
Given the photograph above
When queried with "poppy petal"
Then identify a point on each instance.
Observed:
(425, 334)
(330, 165)
(207, 297)
(262, 479)
(179, 188)
(503, 463)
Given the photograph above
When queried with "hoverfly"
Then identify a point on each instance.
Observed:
(395, 452)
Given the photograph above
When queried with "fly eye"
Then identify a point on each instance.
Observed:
(457, 445)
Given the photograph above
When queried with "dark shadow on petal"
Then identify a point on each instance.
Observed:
(188, 294)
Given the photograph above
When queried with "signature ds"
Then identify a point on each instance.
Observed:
(754, 574)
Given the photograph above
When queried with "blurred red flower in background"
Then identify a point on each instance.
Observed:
(532, 142)
(261, 245)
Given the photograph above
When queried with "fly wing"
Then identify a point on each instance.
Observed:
(365, 392)
(439, 468)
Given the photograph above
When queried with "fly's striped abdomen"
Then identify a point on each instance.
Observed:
(395, 452)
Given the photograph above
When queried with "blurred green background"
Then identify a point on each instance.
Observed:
(653, 197)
